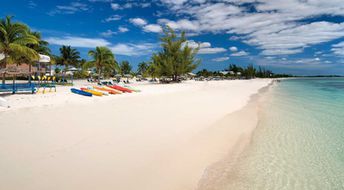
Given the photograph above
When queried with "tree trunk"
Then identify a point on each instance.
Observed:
(4, 66)
(99, 72)
(30, 69)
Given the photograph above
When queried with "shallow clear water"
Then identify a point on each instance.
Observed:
(299, 141)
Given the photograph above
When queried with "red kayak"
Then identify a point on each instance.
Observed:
(121, 88)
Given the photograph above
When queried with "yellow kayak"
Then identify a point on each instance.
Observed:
(96, 93)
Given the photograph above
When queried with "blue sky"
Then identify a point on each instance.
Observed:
(286, 36)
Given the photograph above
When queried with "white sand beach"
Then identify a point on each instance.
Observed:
(162, 138)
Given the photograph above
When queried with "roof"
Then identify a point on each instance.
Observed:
(42, 58)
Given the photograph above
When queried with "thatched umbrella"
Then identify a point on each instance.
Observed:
(14, 71)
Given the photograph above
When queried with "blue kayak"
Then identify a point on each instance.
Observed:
(80, 92)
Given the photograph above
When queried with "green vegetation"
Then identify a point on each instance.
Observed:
(68, 56)
(125, 68)
(103, 60)
(15, 39)
(142, 69)
(248, 72)
(175, 58)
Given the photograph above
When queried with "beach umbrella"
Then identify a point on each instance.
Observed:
(127, 76)
(73, 69)
(12, 70)
(44, 58)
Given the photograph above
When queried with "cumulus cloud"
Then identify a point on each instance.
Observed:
(122, 29)
(152, 28)
(156, 28)
(233, 49)
(115, 6)
(138, 21)
(204, 47)
(274, 26)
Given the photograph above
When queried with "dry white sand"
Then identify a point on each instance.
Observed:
(162, 138)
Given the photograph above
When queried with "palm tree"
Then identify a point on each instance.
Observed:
(14, 38)
(69, 56)
(142, 68)
(125, 68)
(41, 47)
(103, 60)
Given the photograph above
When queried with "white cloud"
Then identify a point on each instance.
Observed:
(275, 27)
(220, 59)
(115, 6)
(129, 5)
(113, 18)
(122, 29)
(240, 53)
(133, 49)
(204, 47)
(293, 40)
(78, 41)
(182, 24)
(128, 49)
(211, 50)
(145, 26)
(152, 28)
(138, 21)
(338, 49)
(71, 8)
(233, 49)
(108, 33)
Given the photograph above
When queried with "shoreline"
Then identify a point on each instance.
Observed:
(126, 138)
(217, 174)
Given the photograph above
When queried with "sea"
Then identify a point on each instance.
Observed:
(299, 140)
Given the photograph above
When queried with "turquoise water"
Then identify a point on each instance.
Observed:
(299, 141)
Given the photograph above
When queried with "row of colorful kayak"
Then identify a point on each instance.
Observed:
(103, 90)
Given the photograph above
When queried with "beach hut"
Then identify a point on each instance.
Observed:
(14, 71)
